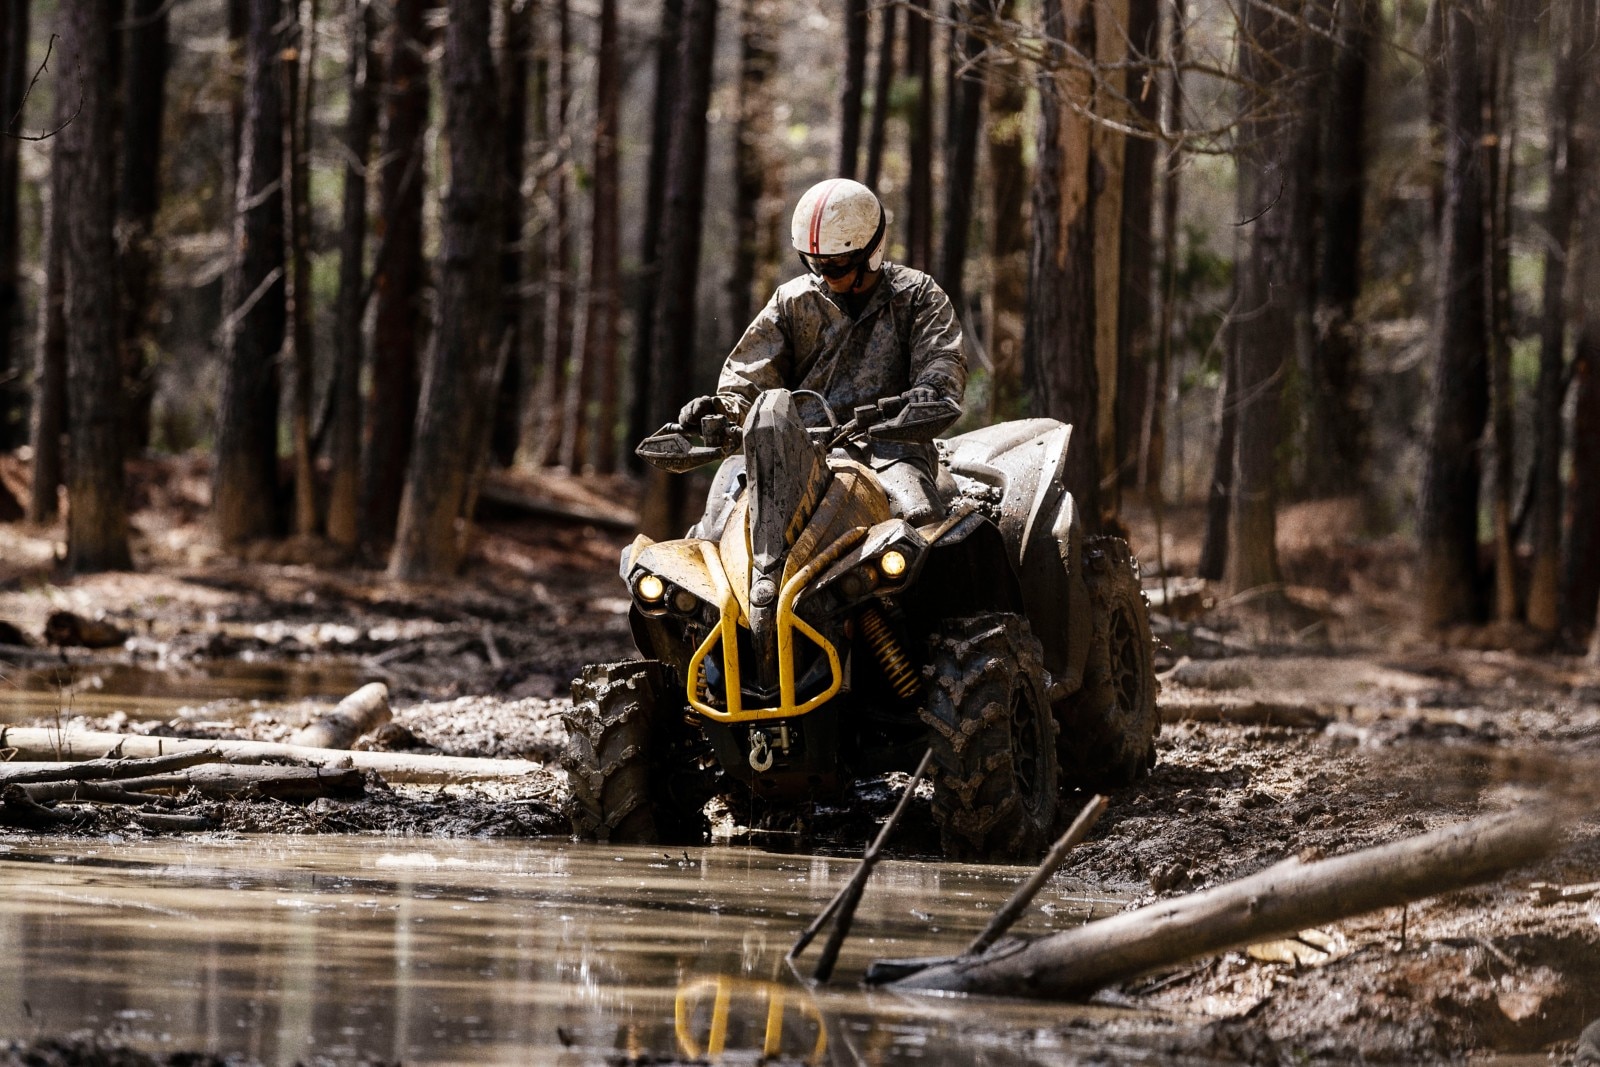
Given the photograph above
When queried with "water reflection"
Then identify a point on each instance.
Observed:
(147, 693)
(460, 951)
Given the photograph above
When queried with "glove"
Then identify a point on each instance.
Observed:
(690, 414)
(920, 394)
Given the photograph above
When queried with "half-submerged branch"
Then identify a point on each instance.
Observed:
(1279, 901)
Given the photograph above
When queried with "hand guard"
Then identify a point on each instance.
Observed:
(690, 414)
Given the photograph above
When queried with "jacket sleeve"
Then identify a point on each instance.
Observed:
(761, 360)
(938, 357)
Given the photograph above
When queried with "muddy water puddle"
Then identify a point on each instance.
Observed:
(283, 949)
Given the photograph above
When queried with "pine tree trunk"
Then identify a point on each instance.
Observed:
(919, 184)
(1448, 506)
(558, 355)
(600, 331)
(664, 512)
(244, 495)
(1059, 335)
(14, 427)
(298, 61)
(852, 86)
(363, 82)
(961, 153)
(97, 524)
(882, 85)
(1135, 350)
(517, 15)
(1105, 177)
(50, 359)
(1153, 446)
(1581, 566)
(1574, 68)
(1498, 159)
(1007, 291)
(751, 161)
(459, 386)
(1219, 493)
(138, 266)
(398, 321)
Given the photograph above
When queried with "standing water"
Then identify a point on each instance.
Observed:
(287, 949)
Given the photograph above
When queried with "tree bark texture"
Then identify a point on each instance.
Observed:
(50, 359)
(1059, 334)
(1219, 493)
(919, 150)
(752, 163)
(1136, 261)
(558, 353)
(1581, 567)
(852, 86)
(244, 495)
(1448, 507)
(14, 427)
(1337, 436)
(144, 92)
(1575, 68)
(961, 153)
(459, 387)
(1279, 901)
(361, 87)
(399, 324)
(1007, 291)
(298, 58)
(604, 307)
(882, 85)
(97, 524)
(517, 16)
(665, 502)
(1104, 173)
(1271, 289)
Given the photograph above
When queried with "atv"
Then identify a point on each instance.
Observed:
(802, 638)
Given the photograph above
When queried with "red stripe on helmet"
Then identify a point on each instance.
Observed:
(816, 215)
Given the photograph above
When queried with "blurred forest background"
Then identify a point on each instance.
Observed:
(351, 255)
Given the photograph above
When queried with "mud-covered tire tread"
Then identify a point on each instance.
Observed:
(624, 782)
(1104, 741)
(976, 668)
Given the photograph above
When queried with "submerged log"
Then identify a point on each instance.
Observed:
(359, 713)
(1279, 901)
(42, 743)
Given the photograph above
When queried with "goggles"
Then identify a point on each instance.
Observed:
(843, 264)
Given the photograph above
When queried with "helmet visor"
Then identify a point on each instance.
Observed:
(834, 267)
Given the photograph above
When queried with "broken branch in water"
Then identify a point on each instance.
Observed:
(844, 902)
(1013, 908)
(1279, 901)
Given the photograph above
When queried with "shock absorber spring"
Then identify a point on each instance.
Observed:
(891, 657)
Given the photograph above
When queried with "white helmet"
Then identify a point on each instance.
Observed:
(838, 228)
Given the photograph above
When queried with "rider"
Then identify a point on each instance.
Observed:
(854, 329)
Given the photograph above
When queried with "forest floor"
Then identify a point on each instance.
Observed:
(1312, 729)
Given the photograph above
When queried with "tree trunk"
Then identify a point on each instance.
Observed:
(14, 427)
(1008, 242)
(1581, 568)
(1497, 59)
(1153, 444)
(298, 60)
(398, 322)
(1448, 506)
(459, 387)
(143, 113)
(751, 160)
(517, 16)
(50, 362)
(882, 86)
(852, 86)
(558, 330)
(1135, 348)
(1104, 174)
(961, 152)
(244, 495)
(1574, 69)
(1059, 334)
(344, 495)
(641, 364)
(919, 151)
(1336, 438)
(97, 524)
(1219, 493)
(600, 330)
(664, 510)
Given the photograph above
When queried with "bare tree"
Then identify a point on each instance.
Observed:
(344, 494)
(559, 265)
(50, 356)
(600, 329)
(1448, 507)
(515, 62)
(1135, 351)
(244, 495)
(13, 74)
(298, 62)
(459, 387)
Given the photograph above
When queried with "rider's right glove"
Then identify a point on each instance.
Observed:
(690, 414)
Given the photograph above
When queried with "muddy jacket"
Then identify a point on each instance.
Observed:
(907, 335)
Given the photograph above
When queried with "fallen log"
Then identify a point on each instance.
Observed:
(91, 792)
(1279, 901)
(172, 821)
(359, 713)
(102, 769)
(226, 780)
(42, 743)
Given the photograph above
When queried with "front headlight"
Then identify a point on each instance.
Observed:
(650, 589)
(893, 563)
